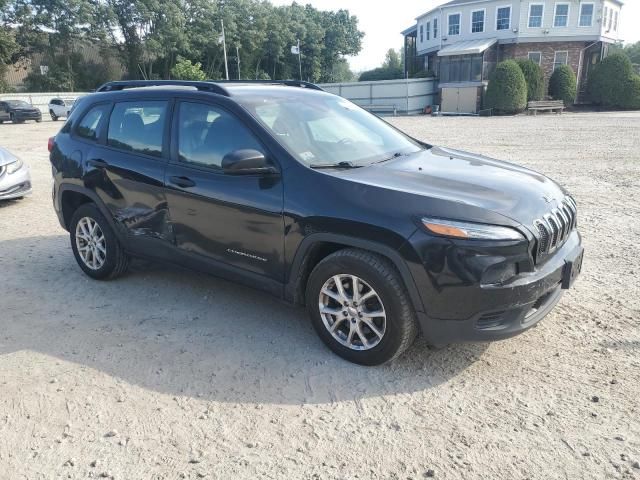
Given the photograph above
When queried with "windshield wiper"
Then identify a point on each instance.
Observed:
(334, 165)
(395, 155)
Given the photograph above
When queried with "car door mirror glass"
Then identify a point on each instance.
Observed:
(246, 162)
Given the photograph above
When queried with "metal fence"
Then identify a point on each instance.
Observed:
(407, 97)
(41, 100)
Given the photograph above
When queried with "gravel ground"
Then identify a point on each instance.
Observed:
(168, 374)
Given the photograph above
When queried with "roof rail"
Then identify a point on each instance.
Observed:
(206, 86)
(213, 86)
(288, 83)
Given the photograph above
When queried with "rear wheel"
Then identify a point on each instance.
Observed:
(360, 308)
(95, 246)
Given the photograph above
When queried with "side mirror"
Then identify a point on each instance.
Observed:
(246, 162)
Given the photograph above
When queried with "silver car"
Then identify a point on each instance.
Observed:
(15, 178)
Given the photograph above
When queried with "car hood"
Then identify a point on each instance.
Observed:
(6, 157)
(454, 176)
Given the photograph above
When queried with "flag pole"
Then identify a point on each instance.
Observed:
(238, 58)
(224, 47)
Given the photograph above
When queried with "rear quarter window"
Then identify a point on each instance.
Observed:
(89, 125)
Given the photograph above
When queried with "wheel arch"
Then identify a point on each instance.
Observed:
(73, 196)
(315, 247)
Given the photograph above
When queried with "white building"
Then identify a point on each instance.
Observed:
(461, 41)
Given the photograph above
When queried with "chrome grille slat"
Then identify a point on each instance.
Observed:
(554, 228)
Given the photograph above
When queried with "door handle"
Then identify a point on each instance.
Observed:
(183, 182)
(97, 163)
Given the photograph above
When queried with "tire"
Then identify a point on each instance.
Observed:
(116, 261)
(378, 274)
(53, 116)
(38, 120)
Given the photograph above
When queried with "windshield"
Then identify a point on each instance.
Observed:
(18, 103)
(328, 130)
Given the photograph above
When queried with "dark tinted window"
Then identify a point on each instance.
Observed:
(138, 127)
(206, 134)
(88, 126)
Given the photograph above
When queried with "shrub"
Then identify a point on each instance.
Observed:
(534, 76)
(611, 80)
(633, 93)
(563, 85)
(381, 73)
(507, 90)
(185, 70)
(424, 74)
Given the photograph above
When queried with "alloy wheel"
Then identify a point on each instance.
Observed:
(352, 312)
(91, 244)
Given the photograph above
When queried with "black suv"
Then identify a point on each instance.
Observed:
(18, 111)
(284, 187)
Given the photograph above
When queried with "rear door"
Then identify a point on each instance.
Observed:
(235, 219)
(126, 169)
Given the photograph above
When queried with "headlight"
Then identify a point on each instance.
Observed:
(14, 167)
(470, 231)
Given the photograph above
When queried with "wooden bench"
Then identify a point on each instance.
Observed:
(550, 105)
(381, 108)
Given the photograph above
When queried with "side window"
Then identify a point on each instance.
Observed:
(138, 127)
(88, 126)
(206, 134)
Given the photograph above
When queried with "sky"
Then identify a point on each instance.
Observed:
(382, 23)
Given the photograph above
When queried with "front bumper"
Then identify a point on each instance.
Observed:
(15, 185)
(20, 116)
(458, 307)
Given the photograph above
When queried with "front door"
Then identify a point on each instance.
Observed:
(237, 220)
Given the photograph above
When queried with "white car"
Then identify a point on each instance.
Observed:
(59, 108)
(15, 178)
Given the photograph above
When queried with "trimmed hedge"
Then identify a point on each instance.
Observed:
(563, 85)
(613, 83)
(534, 76)
(507, 90)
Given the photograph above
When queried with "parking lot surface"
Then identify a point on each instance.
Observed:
(167, 374)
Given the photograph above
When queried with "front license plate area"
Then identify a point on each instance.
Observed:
(572, 268)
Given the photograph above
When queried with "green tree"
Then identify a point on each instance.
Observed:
(633, 52)
(534, 76)
(609, 81)
(507, 90)
(391, 69)
(185, 70)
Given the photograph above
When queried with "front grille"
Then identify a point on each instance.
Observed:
(555, 227)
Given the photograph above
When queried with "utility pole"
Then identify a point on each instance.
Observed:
(300, 59)
(224, 47)
(238, 58)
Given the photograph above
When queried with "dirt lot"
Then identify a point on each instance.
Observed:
(168, 374)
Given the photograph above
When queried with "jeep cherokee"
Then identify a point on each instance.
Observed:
(292, 190)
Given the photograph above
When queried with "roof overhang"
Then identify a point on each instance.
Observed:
(468, 47)
(410, 30)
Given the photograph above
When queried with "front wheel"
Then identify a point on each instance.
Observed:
(360, 307)
(95, 246)
(54, 117)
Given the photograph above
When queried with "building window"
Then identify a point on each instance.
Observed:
(421, 33)
(610, 19)
(477, 21)
(461, 68)
(536, 11)
(560, 58)
(605, 16)
(535, 57)
(503, 18)
(561, 18)
(435, 28)
(615, 22)
(454, 24)
(428, 31)
(586, 14)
